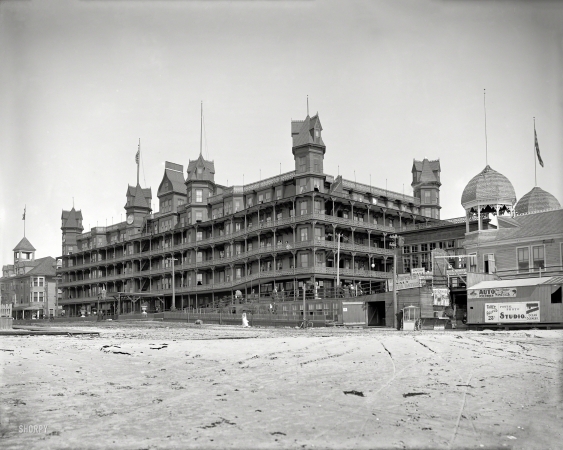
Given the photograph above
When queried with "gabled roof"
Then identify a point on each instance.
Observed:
(44, 266)
(527, 226)
(24, 245)
(301, 131)
(71, 218)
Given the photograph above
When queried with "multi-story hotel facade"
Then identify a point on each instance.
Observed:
(208, 241)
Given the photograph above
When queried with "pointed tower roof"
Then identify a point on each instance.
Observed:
(141, 197)
(24, 245)
(206, 172)
(536, 200)
(303, 131)
(71, 218)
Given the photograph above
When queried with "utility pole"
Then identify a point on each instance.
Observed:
(173, 305)
(397, 243)
(337, 262)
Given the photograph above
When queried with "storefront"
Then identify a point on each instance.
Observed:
(519, 303)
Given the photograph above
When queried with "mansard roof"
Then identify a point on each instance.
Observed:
(24, 245)
(174, 173)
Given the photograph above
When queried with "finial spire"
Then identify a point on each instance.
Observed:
(486, 146)
(138, 160)
(307, 106)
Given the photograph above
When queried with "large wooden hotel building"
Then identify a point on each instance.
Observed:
(208, 241)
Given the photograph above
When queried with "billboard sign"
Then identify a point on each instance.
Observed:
(406, 281)
(491, 293)
(512, 312)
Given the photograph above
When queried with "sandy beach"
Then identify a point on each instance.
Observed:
(169, 385)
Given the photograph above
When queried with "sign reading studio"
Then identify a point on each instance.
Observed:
(512, 312)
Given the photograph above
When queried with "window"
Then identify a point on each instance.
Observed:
(302, 164)
(318, 234)
(268, 196)
(199, 216)
(523, 258)
(35, 296)
(414, 248)
(303, 207)
(249, 201)
(199, 257)
(406, 265)
(237, 205)
(473, 262)
(489, 263)
(189, 196)
(427, 197)
(538, 257)
(199, 279)
(317, 165)
(304, 236)
(199, 236)
(199, 195)
(41, 296)
(260, 198)
(556, 295)
(304, 259)
(423, 247)
(432, 246)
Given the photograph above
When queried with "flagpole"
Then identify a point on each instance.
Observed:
(138, 160)
(535, 157)
(24, 208)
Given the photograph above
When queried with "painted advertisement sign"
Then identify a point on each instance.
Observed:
(405, 281)
(512, 312)
(491, 293)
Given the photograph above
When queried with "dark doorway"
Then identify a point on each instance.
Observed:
(376, 314)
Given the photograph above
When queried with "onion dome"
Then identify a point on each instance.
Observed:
(487, 190)
(536, 200)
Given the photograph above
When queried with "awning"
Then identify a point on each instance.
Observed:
(518, 282)
(28, 308)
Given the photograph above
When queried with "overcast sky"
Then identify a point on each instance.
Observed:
(82, 81)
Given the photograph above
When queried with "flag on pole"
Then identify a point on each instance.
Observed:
(137, 156)
(23, 217)
(538, 148)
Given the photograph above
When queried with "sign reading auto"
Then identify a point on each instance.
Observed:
(491, 293)
(512, 312)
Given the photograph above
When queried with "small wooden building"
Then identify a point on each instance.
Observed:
(528, 302)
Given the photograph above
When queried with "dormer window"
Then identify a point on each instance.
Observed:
(317, 133)
(200, 170)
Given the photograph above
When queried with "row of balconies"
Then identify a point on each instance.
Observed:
(262, 225)
(239, 282)
(322, 244)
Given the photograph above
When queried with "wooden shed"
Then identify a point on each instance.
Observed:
(528, 302)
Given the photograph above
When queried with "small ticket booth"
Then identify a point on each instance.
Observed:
(411, 318)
